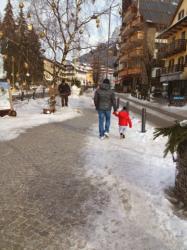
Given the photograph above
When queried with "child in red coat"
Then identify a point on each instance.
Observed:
(124, 121)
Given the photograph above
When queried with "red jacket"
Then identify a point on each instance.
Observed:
(124, 119)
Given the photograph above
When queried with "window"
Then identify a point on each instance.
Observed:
(185, 60)
(181, 60)
(181, 15)
(171, 63)
(183, 35)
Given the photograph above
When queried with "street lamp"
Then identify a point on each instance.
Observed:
(21, 5)
(108, 45)
(13, 71)
(109, 30)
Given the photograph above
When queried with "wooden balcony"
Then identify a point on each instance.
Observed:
(172, 69)
(127, 45)
(138, 36)
(173, 48)
(134, 71)
(123, 72)
(172, 73)
(124, 58)
(136, 43)
(131, 28)
(138, 52)
(130, 71)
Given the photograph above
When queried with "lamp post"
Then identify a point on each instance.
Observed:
(109, 31)
(13, 71)
(108, 44)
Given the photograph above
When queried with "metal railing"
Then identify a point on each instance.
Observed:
(172, 69)
(175, 47)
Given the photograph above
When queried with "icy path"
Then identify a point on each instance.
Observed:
(124, 209)
(134, 174)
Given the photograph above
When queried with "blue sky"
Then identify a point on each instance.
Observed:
(2, 4)
(96, 35)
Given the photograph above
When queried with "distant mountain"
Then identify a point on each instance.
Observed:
(101, 51)
(115, 35)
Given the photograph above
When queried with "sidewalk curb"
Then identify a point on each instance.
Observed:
(145, 105)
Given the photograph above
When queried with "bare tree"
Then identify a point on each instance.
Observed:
(62, 24)
(96, 66)
(146, 60)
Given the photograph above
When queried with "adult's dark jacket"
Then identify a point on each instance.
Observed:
(64, 89)
(104, 98)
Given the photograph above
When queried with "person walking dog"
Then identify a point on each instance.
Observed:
(124, 120)
(104, 100)
(65, 91)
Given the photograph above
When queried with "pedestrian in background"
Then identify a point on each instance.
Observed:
(124, 120)
(104, 100)
(64, 91)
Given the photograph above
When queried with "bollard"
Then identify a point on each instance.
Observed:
(117, 102)
(127, 106)
(22, 95)
(43, 92)
(34, 94)
(143, 120)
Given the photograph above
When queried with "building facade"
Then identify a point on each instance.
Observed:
(82, 72)
(141, 20)
(174, 52)
(52, 70)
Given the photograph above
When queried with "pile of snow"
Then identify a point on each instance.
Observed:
(40, 88)
(75, 90)
(30, 114)
(183, 123)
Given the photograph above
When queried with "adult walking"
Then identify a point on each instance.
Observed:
(104, 100)
(64, 91)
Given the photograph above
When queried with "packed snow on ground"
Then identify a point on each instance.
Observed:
(30, 114)
(135, 174)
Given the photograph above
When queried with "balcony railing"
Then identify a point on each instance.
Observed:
(173, 48)
(134, 70)
(123, 72)
(138, 36)
(172, 69)
(138, 52)
(130, 71)
(124, 58)
(158, 73)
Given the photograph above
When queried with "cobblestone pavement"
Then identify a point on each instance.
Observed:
(44, 196)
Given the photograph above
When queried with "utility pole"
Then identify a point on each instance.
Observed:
(109, 27)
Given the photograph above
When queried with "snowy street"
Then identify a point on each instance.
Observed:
(68, 190)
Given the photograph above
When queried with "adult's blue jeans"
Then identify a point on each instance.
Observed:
(104, 122)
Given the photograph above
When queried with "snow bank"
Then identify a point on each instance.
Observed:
(29, 114)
